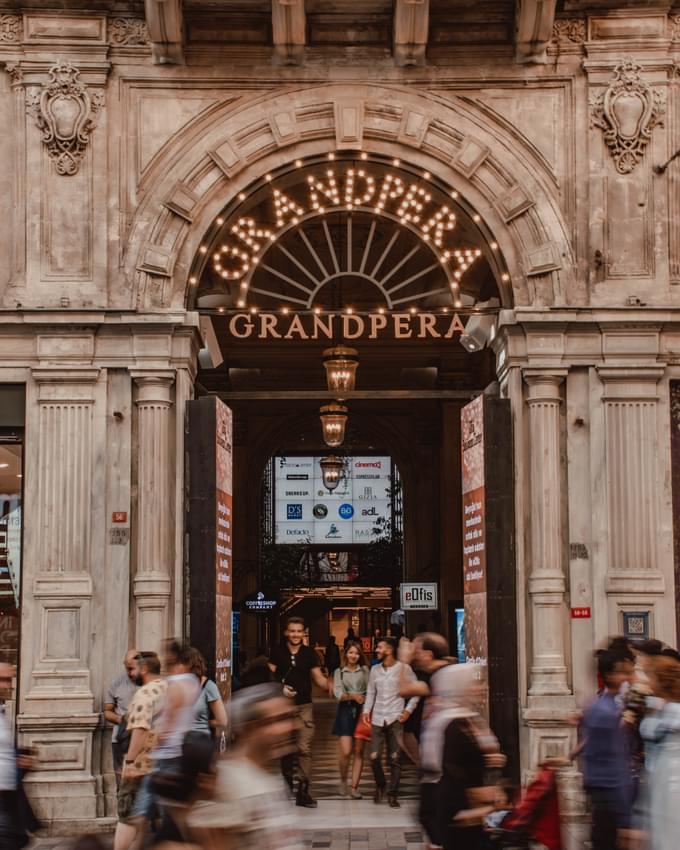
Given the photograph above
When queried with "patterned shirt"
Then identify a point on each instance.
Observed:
(143, 713)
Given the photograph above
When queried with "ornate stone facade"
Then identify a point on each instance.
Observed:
(97, 290)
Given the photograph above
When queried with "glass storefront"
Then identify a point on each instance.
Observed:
(12, 404)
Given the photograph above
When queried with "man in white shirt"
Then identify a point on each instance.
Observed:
(387, 712)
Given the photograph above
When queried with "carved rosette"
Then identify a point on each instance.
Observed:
(66, 113)
(10, 29)
(627, 112)
(566, 30)
(128, 32)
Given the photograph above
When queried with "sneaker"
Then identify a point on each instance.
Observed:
(394, 803)
(378, 796)
(304, 798)
(344, 790)
(355, 794)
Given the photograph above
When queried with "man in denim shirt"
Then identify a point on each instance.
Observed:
(606, 757)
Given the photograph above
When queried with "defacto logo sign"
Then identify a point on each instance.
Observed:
(419, 596)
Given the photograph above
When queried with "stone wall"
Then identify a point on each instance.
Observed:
(97, 245)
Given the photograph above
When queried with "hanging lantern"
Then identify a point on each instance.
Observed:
(333, 421)
(341, 368)
(332, 471)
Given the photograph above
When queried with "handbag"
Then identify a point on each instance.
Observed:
(362, 731)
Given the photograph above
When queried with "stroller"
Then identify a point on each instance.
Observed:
(536, 818)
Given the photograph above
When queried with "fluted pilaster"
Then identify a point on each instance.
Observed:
(154, 515)
(547, 583)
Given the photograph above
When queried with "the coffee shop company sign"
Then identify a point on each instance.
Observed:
(289, 325)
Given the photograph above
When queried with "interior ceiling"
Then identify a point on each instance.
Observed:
(10, 471)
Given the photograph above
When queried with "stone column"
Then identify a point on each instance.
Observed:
(154, 516)
(547, 584)
(63, 546)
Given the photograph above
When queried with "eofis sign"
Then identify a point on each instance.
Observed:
(419, 596)
(334, 327)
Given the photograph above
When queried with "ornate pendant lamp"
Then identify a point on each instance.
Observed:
(341, 366)
(333, 421)
(332, 471)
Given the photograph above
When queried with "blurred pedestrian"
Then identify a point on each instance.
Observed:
(606, 756)
(386, 712)
(296, 666)
(459, 748)
(663, 732)
(248, 809)
(427, 653)
(210, 716)
(16, 817)
(350, 637)
(350, 683)
(118, 697)
(135, 800)
(256, 671)
(332, 656)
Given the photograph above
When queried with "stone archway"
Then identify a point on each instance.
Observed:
(499, 173)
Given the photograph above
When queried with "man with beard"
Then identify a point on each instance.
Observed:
(296, 666)
(118, 697)
(144, 711)
(386, 711)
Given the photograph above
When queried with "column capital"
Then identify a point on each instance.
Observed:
(544, 386)
(153, 387)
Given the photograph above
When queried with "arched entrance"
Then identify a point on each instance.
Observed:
(351, 249)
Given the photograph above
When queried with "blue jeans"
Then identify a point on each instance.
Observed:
(146, 803)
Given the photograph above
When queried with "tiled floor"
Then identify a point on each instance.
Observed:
(325, 774)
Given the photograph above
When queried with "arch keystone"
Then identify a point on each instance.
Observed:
(470, 157)
(349, 123)
(157, 260)
(514, 202)
(543, 259)
(181, 201)
(414, 126)
(227, 158)
(284, 128)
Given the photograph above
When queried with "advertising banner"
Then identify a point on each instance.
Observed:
(474, 537)
(210, 526)
(305, 512)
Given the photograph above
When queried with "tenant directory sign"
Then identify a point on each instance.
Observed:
(306, 512)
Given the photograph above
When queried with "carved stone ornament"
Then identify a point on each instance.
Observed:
(627, 112)
(10, 29)
(674, 22)
(66, 114)
(128, 32)
(16, 75)
(569, 30)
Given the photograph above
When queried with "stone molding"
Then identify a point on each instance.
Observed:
(569, 31)
(128, 32)
(411, 29)
(66, 114)
(466, 146)
(627, 88)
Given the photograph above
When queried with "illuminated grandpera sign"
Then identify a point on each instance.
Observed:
(348, 326)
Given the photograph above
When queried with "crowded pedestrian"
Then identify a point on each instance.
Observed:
(210, 716)
(331, 656)
(457, 751)
(17, 820)
(386, 712)
(350, 637)
(350, 683)
(661, 732)
(135, 800)
(426, 654)
(120, 692)
(296, 666)
(606, 755)
(247, 808)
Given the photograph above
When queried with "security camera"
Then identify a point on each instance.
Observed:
(480, 327)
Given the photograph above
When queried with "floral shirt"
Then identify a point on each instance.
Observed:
(143, 713)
